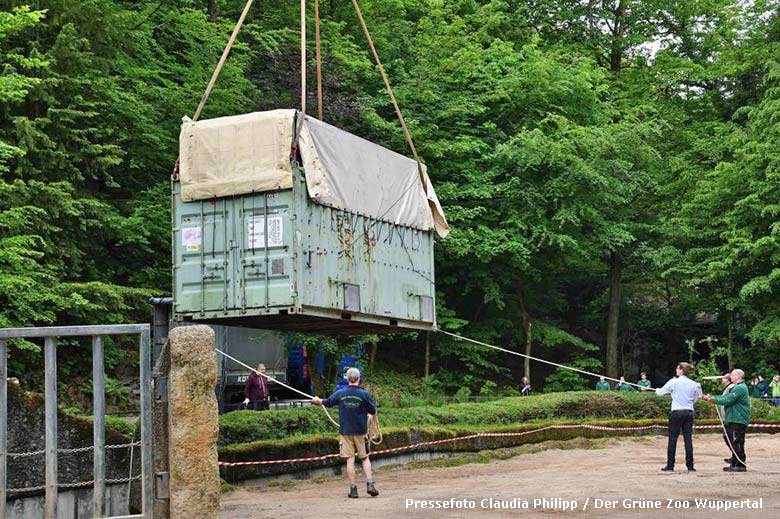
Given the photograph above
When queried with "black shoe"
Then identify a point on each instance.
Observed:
(353, 493)
(728, 460)
(371, 489)
(667, 469)
(691, 469)
(734, 469)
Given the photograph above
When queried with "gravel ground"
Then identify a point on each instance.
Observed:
(624, 475)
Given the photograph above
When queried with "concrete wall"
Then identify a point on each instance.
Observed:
(71, 504)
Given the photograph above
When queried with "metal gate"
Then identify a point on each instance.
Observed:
(50, 335)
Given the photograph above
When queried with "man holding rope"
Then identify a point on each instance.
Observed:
(736, 404)
(684, 393)
(355, 404)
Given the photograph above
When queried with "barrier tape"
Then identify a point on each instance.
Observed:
(484, 435)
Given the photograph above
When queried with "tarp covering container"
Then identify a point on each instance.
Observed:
(337, 237)
(250, 153)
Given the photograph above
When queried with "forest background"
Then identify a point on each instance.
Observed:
(610, 169)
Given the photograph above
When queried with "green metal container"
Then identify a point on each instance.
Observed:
(278, 260)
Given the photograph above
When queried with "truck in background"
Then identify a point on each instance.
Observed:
(252, 347)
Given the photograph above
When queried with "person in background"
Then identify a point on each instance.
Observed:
(355, 406)
(737, 405)
(725, 381)
(643, 382)
(602, 385)
(684, 393)
(256, 390)
(754, 390)
(763, 387)
(524, 387)
(624, 386)
(774, 387)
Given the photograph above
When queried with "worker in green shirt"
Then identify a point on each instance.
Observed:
(736, 404)
(623, 385)
(602, 385)
(643, 382)
(774, 388)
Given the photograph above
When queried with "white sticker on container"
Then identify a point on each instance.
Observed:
(256, 231)
(191, 238)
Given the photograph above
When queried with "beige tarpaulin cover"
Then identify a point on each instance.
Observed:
(251, 153)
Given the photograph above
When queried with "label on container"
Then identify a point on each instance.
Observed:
(256, 231)
(191, 238)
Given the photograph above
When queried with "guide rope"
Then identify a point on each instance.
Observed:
(537, 359)
(306, 395)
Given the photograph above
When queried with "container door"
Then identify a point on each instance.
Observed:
(264, 270)
(204, 242)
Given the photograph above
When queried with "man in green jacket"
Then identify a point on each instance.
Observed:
(602, 385)
(643, 382)
(623, 385)
(736, 404)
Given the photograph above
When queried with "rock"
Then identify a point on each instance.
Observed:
(193, 423)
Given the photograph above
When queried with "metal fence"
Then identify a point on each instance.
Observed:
(51, 486)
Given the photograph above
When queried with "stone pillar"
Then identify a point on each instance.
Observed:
(192, 423)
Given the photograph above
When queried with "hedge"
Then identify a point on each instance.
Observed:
(249, 426)
(318, 445)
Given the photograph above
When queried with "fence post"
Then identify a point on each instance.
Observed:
(192, 423)
(147, 472)
(3, 424)
(50, 367)
(98, 426)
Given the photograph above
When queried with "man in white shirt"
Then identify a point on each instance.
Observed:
(684, 393)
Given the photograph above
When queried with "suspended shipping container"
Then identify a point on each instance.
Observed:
(284, 222)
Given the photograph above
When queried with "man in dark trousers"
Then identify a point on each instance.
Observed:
(736, 404)
(684, 393)
(256, 390)
(355, 405)
(725, 381)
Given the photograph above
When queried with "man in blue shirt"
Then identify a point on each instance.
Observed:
(355, 404)
(684, 393)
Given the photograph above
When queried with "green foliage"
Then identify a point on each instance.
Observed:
(248, 426)
(555, 136)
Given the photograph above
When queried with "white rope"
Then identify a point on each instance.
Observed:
(537, 359)
(277, 381)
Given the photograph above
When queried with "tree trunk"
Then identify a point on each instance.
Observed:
(526, 323)
(372, 358)
(427, 354)
(213, 10)
(528, 343)
(615, 274)
(314, 375)
(730, 340)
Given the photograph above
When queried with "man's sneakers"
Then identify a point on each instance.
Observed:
(734, 469)
(691, 469)
(730, 461)
(667, 469)
(353, 492)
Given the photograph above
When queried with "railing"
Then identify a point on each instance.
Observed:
(50, 335)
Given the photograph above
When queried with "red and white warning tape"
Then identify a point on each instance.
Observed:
(484, 435)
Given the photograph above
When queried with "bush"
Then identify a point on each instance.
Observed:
(463, 394)
(246, 426)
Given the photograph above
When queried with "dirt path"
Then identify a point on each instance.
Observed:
(624, 470)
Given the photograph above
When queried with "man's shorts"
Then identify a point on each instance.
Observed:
(352, 445)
